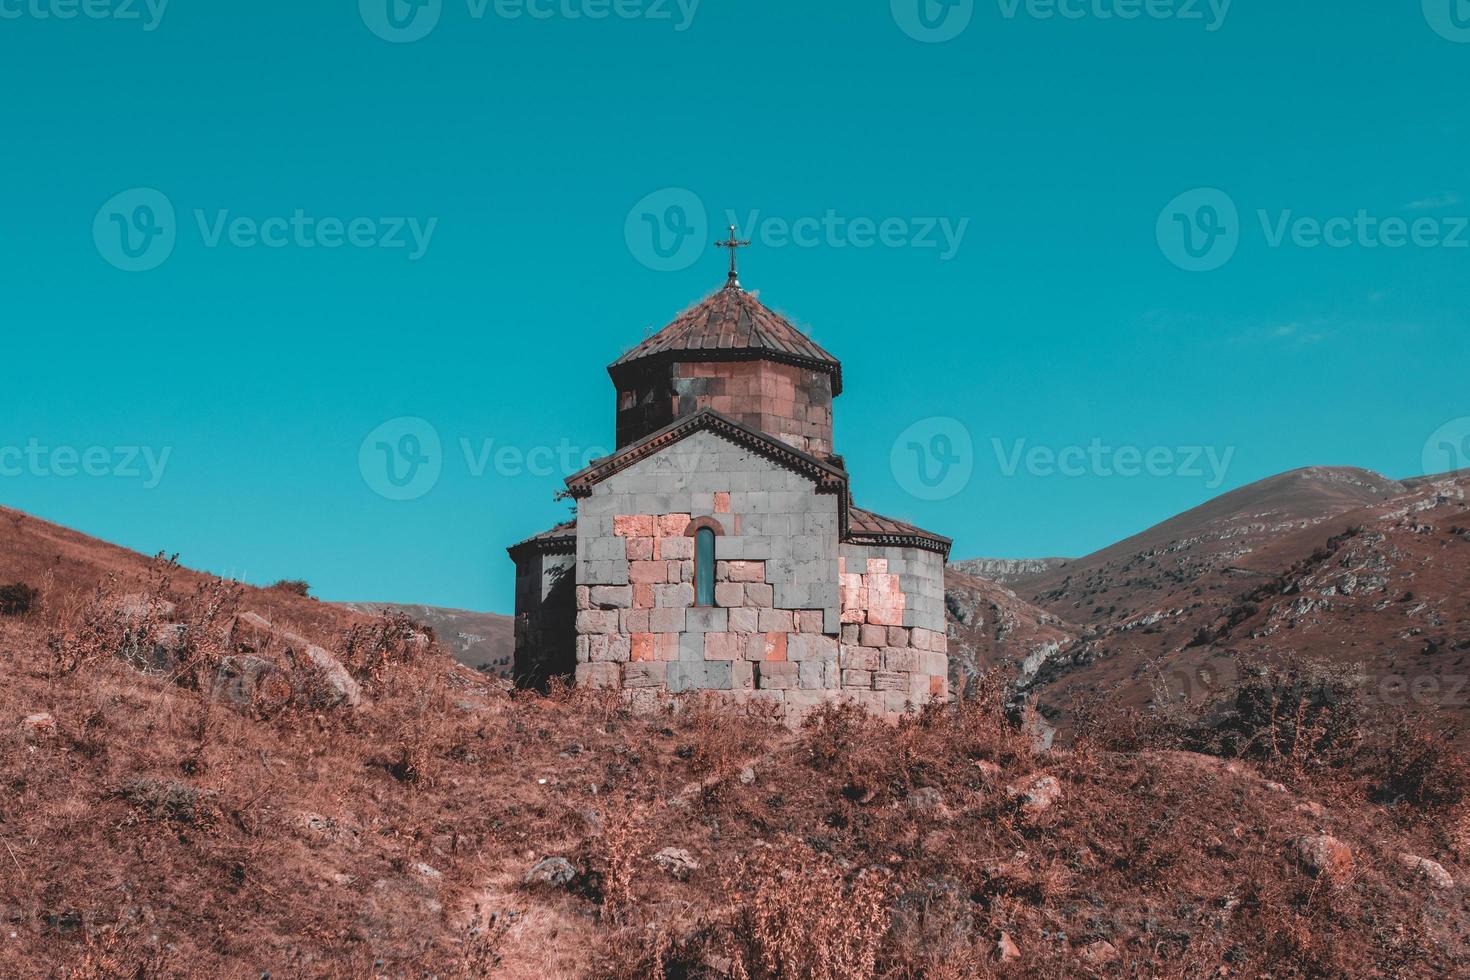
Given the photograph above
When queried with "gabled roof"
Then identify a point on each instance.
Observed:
(866, 527)
(733, 324)
(559, 540)
(828, 478)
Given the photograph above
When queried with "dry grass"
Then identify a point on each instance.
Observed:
(161, 833)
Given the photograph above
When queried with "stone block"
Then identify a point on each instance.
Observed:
(641, 648)
(686, 571)
(861, 658)
(857, 678)
(744, 620)
(633, 526)
(643, 596)
(877, 566)
(742, 675)
(666, 647)
(898, 636)
(900, 659)
(775, 647)
(722, 503)
(584, 597)
(850, 633)
(678, 596)
(811, 646)
(584, 649)
(777, 676)
(645, 674)
(724, 646)
(729, 594)
(886, 600)
(809, 621)
(776, 621)
(609, 648)
(811, 676)
(672, 525)
(648, 572)
(633, 621)
(667, 620)
(897, 702)
(874, 636)
(597, 621)
(612, 596)
(640, 549)
(759, 595)
(699, 676)
(676, 548)
(599, 675)
(707, 619)
(747, 571)
(888, 680)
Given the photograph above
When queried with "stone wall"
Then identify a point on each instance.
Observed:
(788, 624)
(785, 401)
(545, 636)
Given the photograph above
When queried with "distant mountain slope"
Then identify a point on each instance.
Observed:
(1007, 570)
(991, 627)
(483, 641)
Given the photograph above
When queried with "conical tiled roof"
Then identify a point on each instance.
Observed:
(732, 322)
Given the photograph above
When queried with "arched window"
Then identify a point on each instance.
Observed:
(704, 567)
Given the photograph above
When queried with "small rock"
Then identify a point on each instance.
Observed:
(926, 799)
(1037, 795)
(1323, 855)
(1274, 786)
(1099, 952)
(551, 871)
(428, 871)
(38, 727)
(250, 632)
(677, 862)
(747, 776)
(1006, 950)
(344, 689)
(1431, 871)
(250, 683)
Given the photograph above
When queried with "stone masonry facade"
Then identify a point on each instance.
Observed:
(809, 599)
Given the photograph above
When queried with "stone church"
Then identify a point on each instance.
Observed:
(718, 548)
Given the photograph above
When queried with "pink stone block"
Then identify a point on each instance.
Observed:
(647, 572)
(729, 594)
(874, 636)
(779, 676)
(633, 526)
(898, 636)
(633, 621)
(599, 675)
(643, 596)
(667, 620)
(775, 647)
(741, 620)
(640, 549)
(597, 621)
(857, 678)
(672, 525)
(877, 566)
(641, 647)
(722, 503)
(723, 646)
(614, 648)
(811, 646)
(776, 621)
(666, 646)
(886, 600)
(759, 595)
(584, 597)
(853, 596)
(747, 571)
(905, 660)
(887, 680)
(861, 658)
(809, 621)
(742, 675)
(850, 633)
(643, 675)
(679, 596)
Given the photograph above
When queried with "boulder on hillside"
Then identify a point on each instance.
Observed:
(137, 606)
(1037, 795)
(39, 727)
(557, 871)
(251, 684)
(676, 862)
(1323, 855)
(1430, 871)
(250, 632)
(343, 687)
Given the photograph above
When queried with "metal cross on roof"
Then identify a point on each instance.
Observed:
(733, 245)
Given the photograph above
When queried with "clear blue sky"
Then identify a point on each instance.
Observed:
(1058, 320)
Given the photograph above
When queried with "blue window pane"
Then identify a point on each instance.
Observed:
(704, 567)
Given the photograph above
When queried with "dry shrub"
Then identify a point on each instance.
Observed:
(17, 599)
(1418, 766)
(370, 650)
(293, 586)
(795, 913)
(620, 854)
(724, 735)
